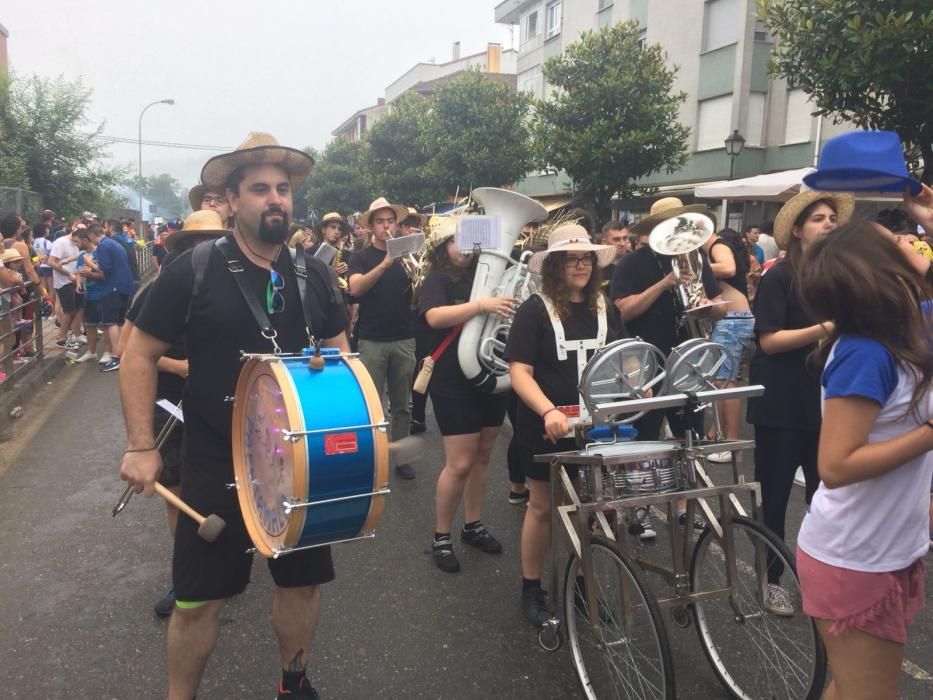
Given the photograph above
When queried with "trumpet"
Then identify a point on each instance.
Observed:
(338, 258)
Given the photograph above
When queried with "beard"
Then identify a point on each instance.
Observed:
(273, 232)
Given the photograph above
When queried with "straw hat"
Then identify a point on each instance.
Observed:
(382, 203)
(258, 149)
(332, 216)
(196, 194)
(571, 238)
(664, 209)
(784, 221)
(422, 218)
(201, 223)
(11, 255)
(443, 228)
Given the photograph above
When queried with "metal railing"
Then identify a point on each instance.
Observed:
(144, 260)
(17, 360)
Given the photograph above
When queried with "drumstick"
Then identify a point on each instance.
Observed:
(209, 528)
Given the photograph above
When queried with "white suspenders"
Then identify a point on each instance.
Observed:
(583, 349)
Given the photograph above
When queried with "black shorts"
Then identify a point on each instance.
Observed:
(541, 471)
(464, 415)
(44, 271)
(70, 300)
(203, 571)
(171, 448)
(109, 311)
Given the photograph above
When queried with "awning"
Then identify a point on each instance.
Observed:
(772, 187)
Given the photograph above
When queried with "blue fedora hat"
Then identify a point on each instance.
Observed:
(862, 161)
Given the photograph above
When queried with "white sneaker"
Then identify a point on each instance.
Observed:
(105, 358)
(81, 339)
(86, 357)
(719, 457)
(778, 602)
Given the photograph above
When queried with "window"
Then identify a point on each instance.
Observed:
(755, 120)
(603, 4)
(761, 31)
(799, 117)
(530, 81)
(552, 18)
(713, 121)
(720, 24)
(530, 26)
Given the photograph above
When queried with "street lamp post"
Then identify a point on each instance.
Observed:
(734, 145)
(139, 185)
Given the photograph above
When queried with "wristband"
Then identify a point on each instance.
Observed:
(148, 449)
(554, 408)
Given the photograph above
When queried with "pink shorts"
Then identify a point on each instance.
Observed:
(880, 604)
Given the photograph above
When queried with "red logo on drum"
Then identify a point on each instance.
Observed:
(340, 444)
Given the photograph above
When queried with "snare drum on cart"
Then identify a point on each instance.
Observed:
(310, 452)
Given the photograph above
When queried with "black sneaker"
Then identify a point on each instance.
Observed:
(534, 606)
(444, 557)
(404, 471)
(417, 426)
(481, 539)
(516, 499)
(304, 692)
(166, 604)
(698, 522)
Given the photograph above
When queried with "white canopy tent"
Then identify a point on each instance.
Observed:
(771, 187)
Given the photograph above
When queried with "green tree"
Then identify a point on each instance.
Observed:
(612, 118)
(341, 180)
(165, 193)
(478, 134)
(864, 62)
(399, 154)
(46, 121)
(12, 162)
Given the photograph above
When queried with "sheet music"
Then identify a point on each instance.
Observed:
(484, 232)
(403, 245)
(325, 253)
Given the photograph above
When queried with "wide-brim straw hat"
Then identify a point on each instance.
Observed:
(329, 217)
(664, 209)
(422, 218)
(443, 228)
(11, 255)
(258, 149)
(784, 221)
(401, 213)
(571, 238)
(201, 223)
(196, 194)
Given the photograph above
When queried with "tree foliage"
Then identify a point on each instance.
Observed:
(341, 181)
(45, 122)
(12, 162)
(864, 62)
(399, 155)
(612, 118)
(478, 134)
(165, 193)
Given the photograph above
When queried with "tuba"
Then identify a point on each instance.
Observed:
(481, 348)
(680, 239)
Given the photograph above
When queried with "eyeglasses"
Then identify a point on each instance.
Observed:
(213, 199)
(275, 302)
(585, 261)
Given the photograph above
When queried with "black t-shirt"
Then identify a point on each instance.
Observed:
(385, 310)
(792, 386)
(160, 253)
(738, 281)
(440, 290)
(169, 385)
(220, 326)
(532, 342)
(658, 325)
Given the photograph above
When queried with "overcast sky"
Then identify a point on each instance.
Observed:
(295, 68)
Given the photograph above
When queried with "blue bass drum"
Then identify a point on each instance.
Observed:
(310, 452)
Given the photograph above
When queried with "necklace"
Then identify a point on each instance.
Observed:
(262, 257)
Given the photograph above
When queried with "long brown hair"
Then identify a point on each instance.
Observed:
(795, 246)
(858, 278)
(556, 289)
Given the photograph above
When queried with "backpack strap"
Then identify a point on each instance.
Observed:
(200, 256)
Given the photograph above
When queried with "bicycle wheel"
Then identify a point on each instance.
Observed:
(630, 657)
(755, 653)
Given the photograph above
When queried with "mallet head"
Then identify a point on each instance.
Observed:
(211, 528)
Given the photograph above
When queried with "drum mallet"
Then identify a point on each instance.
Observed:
(209, 528)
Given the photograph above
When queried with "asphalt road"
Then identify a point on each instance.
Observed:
(78, 587)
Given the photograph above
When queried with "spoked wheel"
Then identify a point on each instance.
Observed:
(628, 656)
(755, 653)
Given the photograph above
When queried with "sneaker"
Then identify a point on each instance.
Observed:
(105, 358)
(82, 339)
(516, 499)
(403, 470)
(165, 605)
(72, 356)
(778, 603)
(63, 344)
(481, 539)
(86, 357)
(644, 519)
(534, 606)
(698, 522)
(304, 691)
(115, 364)
(444, 557)
(720, 457)
(416, 427)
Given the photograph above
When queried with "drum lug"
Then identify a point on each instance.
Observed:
(229, 399)
(234, 485)
(251, 550)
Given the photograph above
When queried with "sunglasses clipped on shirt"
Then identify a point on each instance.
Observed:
(275, 302)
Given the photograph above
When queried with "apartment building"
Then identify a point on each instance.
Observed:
(721, 50)
(4, 60)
